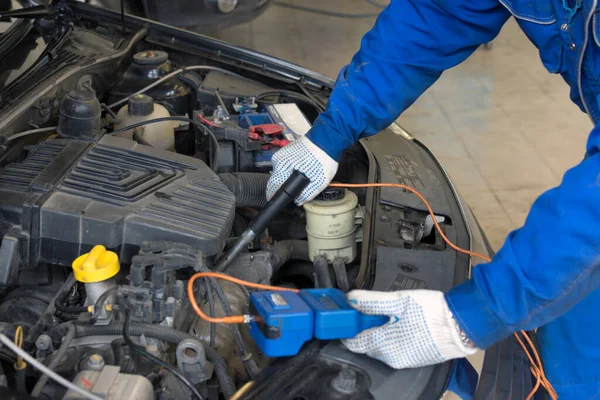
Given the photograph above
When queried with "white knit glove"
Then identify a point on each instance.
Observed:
(421, 331)
(304, 156)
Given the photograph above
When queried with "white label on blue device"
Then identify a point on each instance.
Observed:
(278, 300)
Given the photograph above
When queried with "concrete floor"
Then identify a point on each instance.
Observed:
(502, 126)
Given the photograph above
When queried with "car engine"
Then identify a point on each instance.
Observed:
(136, 176)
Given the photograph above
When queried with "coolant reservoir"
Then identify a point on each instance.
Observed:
(330, 224)
(142, 108)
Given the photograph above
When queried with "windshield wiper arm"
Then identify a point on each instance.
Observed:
(27, 12)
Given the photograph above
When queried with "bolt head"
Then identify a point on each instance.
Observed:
(95, 362)
(43, 342)
(408, 268)
(345, 382)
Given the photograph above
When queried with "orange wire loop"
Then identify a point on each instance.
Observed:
(235, 319)
(420, 196)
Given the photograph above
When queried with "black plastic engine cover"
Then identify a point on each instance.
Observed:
(67, 196)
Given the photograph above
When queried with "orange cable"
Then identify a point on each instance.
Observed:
(536, 367)
(235, 319)
(544, 380)
(420, 196)
(533, 367)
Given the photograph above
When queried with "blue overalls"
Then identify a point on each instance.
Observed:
(547, 273)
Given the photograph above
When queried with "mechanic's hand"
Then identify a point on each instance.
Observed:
(421, 331)
(304, 156)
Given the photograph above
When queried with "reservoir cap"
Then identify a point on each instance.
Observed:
(331, 194)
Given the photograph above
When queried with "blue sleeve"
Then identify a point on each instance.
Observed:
(411, 44)
(545, 267)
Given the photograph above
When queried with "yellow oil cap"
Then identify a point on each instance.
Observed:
(96, 266)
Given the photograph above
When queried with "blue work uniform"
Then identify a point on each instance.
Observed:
(547, 274)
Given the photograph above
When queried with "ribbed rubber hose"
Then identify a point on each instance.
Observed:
(248, 187)
(168, 335)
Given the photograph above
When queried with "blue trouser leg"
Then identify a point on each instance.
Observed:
(570, 347)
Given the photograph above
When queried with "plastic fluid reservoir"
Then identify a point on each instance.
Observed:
(142, 108)
(330, 224)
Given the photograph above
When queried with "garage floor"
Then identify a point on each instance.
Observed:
(502, 126)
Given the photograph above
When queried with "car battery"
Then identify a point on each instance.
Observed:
(284, 320)
(253, 151)
(286, 115)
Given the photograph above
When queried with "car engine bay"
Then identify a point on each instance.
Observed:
(134, 156)
(148, 168)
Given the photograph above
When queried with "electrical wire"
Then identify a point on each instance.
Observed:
(327, 13)
(68, 309)
(109, 111)
(310, 96)
(142, 352)
(173, 74)
(245, 356)
(537, 369)
(235, 319)
(31, 132)
(42, 368)
(215, 158)
(536, 366)
(207, 122)
(424, 200)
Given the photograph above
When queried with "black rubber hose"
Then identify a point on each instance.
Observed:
(248, 187)
(62, 350)
(341, 274)
(211, 308)
(168, 335)
(141, 351)
(322, 272)
(48, 315)
(239, 225)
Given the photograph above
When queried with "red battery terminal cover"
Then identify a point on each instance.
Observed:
(268, 134)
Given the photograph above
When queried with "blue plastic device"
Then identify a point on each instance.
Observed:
(284, 321)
